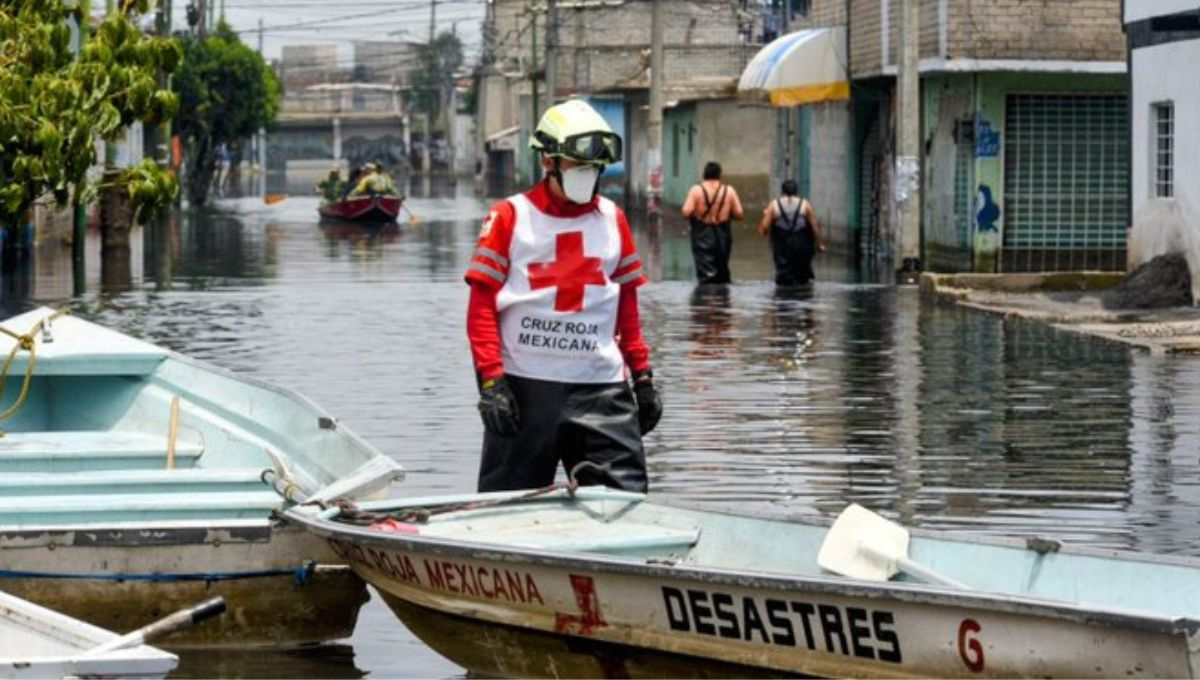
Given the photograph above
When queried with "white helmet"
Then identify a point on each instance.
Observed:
(574, 130)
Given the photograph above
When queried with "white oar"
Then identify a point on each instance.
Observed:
(169, 624)
(863, 545)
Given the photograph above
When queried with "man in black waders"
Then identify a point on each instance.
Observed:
(795, 236)
(709, 207)
(553, 321)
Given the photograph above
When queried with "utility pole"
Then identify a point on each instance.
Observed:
(908, 158)
(202, 13)
(789, 112)
(533, 83)
(427, 147)
(655, 118)
(551, 65)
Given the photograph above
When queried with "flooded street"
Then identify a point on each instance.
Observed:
(788, 404)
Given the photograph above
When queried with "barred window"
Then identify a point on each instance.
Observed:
(1164, 149)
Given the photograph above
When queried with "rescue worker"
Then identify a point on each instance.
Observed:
(374, 182)
(331, 187)
(553, 321)
(709, 207)
(795, 236)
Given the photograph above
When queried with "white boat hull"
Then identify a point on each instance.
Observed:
(601, 583)
(36, 642)
(786, 627)
(283, 586)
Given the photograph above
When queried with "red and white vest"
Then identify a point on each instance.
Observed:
(558, 304)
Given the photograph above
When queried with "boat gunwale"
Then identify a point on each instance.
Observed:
(914, 592)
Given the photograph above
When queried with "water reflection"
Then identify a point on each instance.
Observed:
(324, 661)
(786, 402)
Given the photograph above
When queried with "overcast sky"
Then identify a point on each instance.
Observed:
(296, 22)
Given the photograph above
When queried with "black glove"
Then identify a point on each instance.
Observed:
(498, 408)
(649, 404)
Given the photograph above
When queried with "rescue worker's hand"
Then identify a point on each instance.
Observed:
(498, 408)
(649, 404)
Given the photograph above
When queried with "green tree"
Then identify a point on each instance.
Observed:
(53, 103)
(227, 93)
(434, 81)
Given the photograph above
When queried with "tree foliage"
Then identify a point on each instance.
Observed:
(227, 93)
(434, 81)
(53, 103)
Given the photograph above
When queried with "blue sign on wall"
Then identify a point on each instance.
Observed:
(987, 140)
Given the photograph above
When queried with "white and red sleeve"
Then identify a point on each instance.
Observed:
(630, 274)
(487, 273)
(629, 271)
(489, 262)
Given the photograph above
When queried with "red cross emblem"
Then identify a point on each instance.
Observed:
(589, 617)
(570, 273)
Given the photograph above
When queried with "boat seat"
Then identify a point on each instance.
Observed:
(109, 508)
(606, 538)
(178, 480)
(82, 451)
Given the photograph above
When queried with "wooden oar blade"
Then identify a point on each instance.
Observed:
(863, 545)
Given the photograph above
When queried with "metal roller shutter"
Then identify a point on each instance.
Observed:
(1066, 168)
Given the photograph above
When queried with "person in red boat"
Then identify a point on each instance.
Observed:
(553, 321)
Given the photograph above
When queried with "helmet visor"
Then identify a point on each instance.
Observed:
(593, 147)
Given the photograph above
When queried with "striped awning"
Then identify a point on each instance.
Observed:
(804, 67)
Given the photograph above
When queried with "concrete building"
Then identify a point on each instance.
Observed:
(602, 53)
(1164, 48)
(1024, 110)
(385, 61)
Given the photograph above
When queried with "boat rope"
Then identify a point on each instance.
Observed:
(351, 514)
(300, 575)
(24, 341)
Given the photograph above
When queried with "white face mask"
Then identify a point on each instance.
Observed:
(578, 183)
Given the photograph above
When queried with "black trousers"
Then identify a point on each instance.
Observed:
(711, 248)
(567, 423)
(793, 252)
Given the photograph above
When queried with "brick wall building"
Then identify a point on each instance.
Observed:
(1023, 117)
(604, 54)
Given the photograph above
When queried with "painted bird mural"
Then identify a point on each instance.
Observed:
(987, 212)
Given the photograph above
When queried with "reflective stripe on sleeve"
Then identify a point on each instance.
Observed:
(487, 271)
(628, 260)
(629, 277)
(481, 251)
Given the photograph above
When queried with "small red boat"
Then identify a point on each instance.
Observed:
(364, 209)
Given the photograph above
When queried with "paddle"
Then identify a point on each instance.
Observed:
(164, 626)
(863, 545)
(412, 219)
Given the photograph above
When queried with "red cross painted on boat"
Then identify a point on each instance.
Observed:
(570, 272)
(589, 617)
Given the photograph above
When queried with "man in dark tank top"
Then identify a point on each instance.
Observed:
(795, 236)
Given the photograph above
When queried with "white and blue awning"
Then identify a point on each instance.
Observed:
(799, 68)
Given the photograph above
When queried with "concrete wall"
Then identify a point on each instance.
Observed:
(828, 170)
(1078, 30)
(1088, 30)
(737, 137)
(1162, 225)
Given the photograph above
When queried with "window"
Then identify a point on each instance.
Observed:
(1164, 150)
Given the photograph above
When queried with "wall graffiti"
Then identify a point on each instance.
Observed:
(987, 213)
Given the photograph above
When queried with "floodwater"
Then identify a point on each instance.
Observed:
(792, 404)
